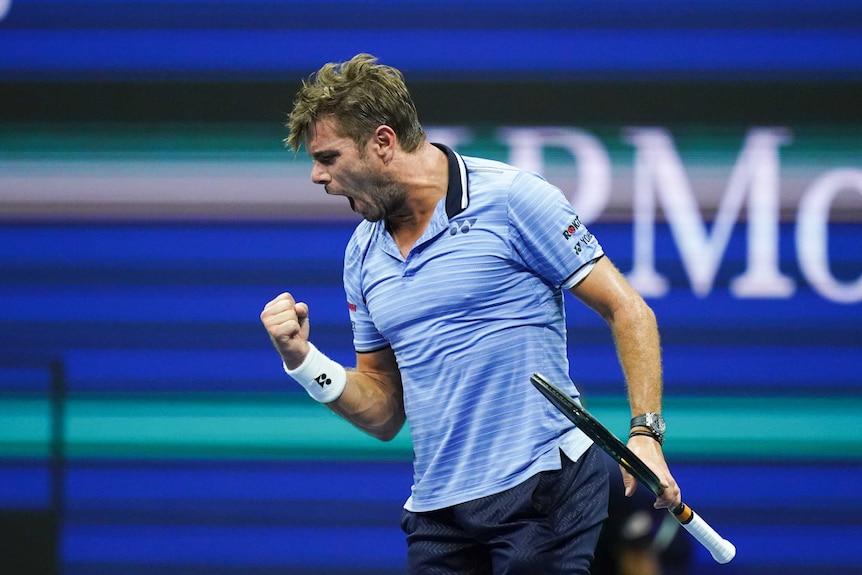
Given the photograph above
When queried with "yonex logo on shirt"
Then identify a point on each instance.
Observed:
(587, 238)
(462, 226)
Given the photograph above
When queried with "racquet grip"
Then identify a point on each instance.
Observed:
(721, 549)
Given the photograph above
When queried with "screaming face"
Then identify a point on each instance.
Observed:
(357, 174)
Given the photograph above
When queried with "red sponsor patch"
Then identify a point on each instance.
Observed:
(573, 227)
(351, 306)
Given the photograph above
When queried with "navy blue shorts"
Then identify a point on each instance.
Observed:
(547, 525)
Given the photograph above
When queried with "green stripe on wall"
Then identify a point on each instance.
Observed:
(707, 145)
(745, 428)
(295, 428)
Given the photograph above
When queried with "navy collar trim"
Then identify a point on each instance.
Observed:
(457, 194)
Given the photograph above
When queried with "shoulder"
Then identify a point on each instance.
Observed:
(487, 174)
(496, 183)
(492, 170)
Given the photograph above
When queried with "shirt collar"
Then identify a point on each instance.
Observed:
(457, 194)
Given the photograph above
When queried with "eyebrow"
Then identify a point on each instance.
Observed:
(321, 153)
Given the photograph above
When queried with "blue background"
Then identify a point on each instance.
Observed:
(266, 38)
(151, 310)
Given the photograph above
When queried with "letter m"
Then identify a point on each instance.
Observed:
(660, 179)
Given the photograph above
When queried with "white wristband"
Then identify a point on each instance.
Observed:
(322, 378)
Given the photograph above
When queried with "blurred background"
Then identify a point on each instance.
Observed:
(148, 211)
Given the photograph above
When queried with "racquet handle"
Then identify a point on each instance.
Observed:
(721, 549)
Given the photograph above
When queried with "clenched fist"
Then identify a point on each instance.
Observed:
(286, 322)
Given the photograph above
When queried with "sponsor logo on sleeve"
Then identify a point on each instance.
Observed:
(572, 228)
(586, 238)
(351, 307)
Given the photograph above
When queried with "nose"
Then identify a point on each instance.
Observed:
(319, 175)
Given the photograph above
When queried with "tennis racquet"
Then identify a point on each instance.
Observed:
(721, 549)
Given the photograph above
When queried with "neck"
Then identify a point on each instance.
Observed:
(427, 181)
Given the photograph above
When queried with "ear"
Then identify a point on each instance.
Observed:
(383, 143)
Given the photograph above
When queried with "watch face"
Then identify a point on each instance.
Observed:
(656, 423)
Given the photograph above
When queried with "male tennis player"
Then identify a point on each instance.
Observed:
(454, 283)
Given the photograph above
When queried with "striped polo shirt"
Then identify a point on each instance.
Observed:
(473, 310)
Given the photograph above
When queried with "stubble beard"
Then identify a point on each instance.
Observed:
(387, 198)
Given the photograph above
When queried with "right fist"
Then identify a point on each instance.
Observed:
(286, 322)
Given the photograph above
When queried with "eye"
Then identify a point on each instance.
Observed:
(327, 159)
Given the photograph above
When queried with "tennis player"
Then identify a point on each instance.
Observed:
(455, 282)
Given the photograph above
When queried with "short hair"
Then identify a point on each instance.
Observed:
(360, 95)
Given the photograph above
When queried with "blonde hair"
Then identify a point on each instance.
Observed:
(360, 95)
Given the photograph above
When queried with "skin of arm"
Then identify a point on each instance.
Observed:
(372, 399)
(635, 332)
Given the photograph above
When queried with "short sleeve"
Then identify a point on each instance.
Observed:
(547, 235)
(366, 338)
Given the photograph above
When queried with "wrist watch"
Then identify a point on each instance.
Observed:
(654, 422)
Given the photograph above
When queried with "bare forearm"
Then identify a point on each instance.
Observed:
(635, 332)
(639, 350)
(634, 329)
(369, 396)
(372, 403)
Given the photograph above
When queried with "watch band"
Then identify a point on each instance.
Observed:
(642, 420)
(658, 438)
(652, 421)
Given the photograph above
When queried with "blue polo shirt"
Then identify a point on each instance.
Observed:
(473, 310)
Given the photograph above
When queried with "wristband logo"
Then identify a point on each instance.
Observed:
(322, 380)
